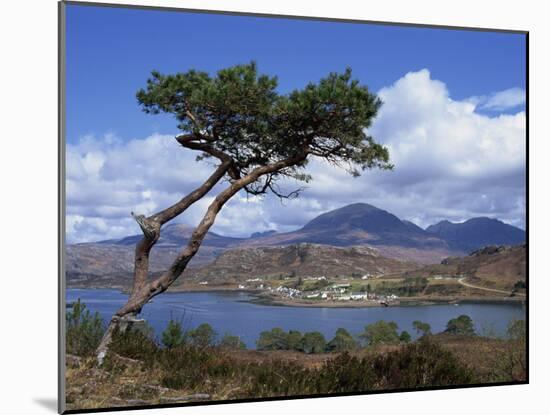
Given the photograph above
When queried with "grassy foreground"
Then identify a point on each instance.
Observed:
(140, 372)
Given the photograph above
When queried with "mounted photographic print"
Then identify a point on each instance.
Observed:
(261, 207)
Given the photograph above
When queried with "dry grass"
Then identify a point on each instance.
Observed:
(221, 374)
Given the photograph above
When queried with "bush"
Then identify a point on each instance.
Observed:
(510, 357)
(405, 337)
(421, 364)
(342, 341)
(381, 332)
(210, 370)
(173, 335)
(232, 342)
(516, 330)
(313, 342)
(84, 330)
(203, 336)
(135, 343)
(462, 325)
(294, 340)
(345, 373)
(276, 339)
(186, 367)
(422, 329)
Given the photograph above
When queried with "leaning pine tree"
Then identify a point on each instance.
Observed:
(256, 137)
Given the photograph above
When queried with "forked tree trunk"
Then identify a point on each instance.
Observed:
(144, 290)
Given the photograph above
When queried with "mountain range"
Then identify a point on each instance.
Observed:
(355, 225)
(477, 232)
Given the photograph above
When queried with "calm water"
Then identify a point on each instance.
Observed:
(230, 313)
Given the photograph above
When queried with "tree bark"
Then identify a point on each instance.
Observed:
(151, 227)
(143, 290)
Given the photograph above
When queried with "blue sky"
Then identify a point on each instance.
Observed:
(111, 52)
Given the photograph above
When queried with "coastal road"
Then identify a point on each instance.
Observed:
(461, 281)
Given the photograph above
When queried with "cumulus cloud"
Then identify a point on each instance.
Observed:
(451, 162)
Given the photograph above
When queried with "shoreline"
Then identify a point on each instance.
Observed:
(263, 298)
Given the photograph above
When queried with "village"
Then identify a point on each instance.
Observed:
(313, 288)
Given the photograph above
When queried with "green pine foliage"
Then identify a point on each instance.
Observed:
(405, 337)
(462, 325)
(313, 342)
(202, 336)
(240, 113)
(173, 335)
(422, 329)
(84, 330)
(381, 332)
(229, 341)
(342, 341)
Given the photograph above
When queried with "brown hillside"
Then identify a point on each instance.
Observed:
(301, 260)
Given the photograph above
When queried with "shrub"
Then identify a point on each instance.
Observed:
(405, 337)
(232, 342)
(510, 360)
(185, 367)
(294, 340)
(345, 373)
(422, 329)
(84, 330)
(381, 332)
(203, 336)
(135, 343)
(313, 342)
(342, 341)
(173, 335)
(462, 325)
(279, 378)
(421, 364)
(516, 330)
(276, 339)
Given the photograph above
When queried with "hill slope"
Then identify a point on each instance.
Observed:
(497, 267)
(477, 232)
(300, 260)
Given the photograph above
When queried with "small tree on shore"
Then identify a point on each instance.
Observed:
(84, 330)
(275, 339)
(462, 325)
(313, 342)
(405, 337)
(294, 340)
(256, 137)
(173, 335)
(381, 332)
(422, 329)
(202, 336)
(342, 341)
(229, 341)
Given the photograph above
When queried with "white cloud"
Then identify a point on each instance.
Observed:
(451, 162)
(500, 101)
